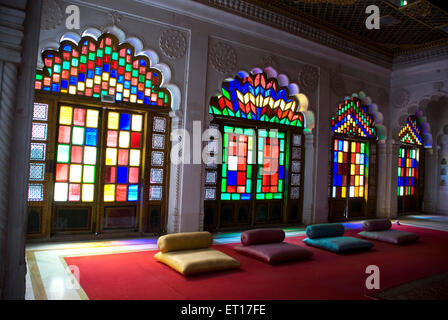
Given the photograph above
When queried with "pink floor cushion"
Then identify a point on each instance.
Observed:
(391, 236)
(274, 252)
(267, 245)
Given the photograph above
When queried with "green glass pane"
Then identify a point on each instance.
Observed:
(121, 61)
(236, 196)
(260, 196)
(99, 53)
(223, 185)
(248, 185)
(114, 55)
(269, 196)
(258, 185)
(107, 50)
(277, 195)
(225, 196)
(63, 153)
(74, 62)
(224, 170)
(249, 172)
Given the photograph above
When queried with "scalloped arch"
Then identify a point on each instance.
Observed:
(299, 107)
(135, 42)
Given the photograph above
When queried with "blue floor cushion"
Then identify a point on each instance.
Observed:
(339, 244)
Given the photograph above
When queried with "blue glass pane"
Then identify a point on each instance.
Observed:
(231, 179)
(245, 196)
(125, 121)
(133, 192)
(122, 174)
(280, 172)
(91, 137)
(339, 180)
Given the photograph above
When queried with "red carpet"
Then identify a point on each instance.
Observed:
(326, 276)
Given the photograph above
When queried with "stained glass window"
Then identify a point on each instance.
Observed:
(123, 156)
(408, 162)
(103, 67)
(350, 168)
(76, 154)
(236, 181)
(353, 119)
(411, 132)
(39, 128)
(270, 164)
(257, 98)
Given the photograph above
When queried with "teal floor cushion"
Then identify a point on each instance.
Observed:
(339, 244)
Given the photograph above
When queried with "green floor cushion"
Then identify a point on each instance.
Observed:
(339, 244)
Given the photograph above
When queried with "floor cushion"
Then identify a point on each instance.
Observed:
(376, 224)
(261, 236)
(391, 236)
(185, 241)
(190, 262)
(339, 244)
(274, 252)
(325, 230)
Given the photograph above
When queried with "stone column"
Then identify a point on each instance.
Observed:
(308, 180)
(393, 180)
(431, 163)
(19, 153)
(382, 180)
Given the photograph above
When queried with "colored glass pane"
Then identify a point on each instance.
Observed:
(352, 118)
(102, 70)
(76, 154)
(237, 163)
(257, 97)
(349, 169)
(408, 170)
(411, 133)
(122, 163)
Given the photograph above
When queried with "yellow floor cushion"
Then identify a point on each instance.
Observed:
(188, 262)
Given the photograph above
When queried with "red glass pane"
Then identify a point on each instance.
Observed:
(74, 192)
(123, 157)
(135, 140)
(110, 174)
(121, 194)
(64, 134)
(76, 154)
(61, 172)
(241, 178)
(78, 116)
(112, 138)
(231, 189)
(133, 175)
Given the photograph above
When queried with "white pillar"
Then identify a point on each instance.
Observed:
(382, 180)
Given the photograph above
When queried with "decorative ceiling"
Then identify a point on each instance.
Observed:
(404, 29)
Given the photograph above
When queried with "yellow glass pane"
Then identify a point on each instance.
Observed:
(137, 122)
(340, 157)
(87, 192)
(89, 155)
(353, 146)
(345, 146)
(109, 192)
(60, 191)
(361, 192)
(357, 158)
(75, 172)
(111, 156)
(92, 118)
(124, 139)
(134, 157)
(113, 119)
(65, 115)
(356, 180)
(344, 192)
(352, 169)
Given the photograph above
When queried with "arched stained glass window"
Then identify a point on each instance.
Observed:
(353, 152)
(100, 140)
(259, 179)
(410, 156)
(98, 68)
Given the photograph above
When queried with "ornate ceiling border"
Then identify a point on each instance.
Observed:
(265, 16)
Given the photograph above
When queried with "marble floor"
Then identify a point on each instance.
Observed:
(50, 278)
